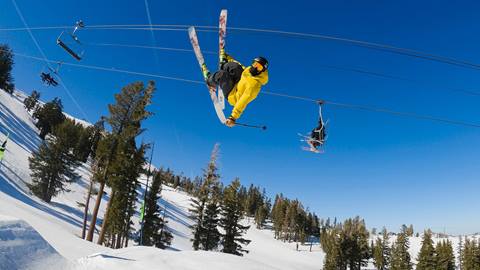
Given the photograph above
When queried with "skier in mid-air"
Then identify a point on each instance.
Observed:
(240, 84)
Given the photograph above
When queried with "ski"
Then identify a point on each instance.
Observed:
(201, 61)
(222, 32)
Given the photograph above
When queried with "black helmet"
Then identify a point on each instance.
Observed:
(262, 61)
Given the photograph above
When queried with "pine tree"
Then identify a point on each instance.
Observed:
(301, 225)
(243, 195)
(31, 101)
(445, 259)
(125, 120)
(49, 116)
(205, 230)
(154, 227)
(232, 214)
(460, 252)
(331, 245)
(354, 243)
(381, 251)
(84, 147)
(97, 134)
(470, 259)
(291, 225)
(6, 66)
(53, 165)
(426, 257)
(410, 232)
(253, 201)
(211, 236)
(316, 226)
(79, 130)
(262, 214)
(278, 214)
(128, 166)
(400, 257)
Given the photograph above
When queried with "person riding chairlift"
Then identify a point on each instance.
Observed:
(318, 134)
(48, 79)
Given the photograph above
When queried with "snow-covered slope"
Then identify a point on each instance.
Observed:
(59, 223)
(263, 249)
(22, 247)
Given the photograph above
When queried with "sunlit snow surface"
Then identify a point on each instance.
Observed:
(21, 247)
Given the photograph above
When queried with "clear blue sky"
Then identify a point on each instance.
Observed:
(390, 170)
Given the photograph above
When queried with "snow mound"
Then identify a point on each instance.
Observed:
(140, 258)
(22, 247)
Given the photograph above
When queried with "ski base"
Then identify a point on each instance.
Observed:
(201, 61)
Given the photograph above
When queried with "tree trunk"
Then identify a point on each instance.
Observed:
(118, 242)
(46, 190)
(124, 240)
(111, 243)
(85, 212)
(93, 221)
(163, 224)
(101, 236)
(126, 235)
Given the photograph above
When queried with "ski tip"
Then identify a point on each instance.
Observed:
(191, 29)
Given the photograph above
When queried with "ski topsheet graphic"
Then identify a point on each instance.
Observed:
(201, 61)
(222, 32)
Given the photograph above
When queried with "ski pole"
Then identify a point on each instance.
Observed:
(251, 126)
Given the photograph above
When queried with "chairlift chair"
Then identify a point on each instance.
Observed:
(47, 77)
(318, 136)
(64, 46)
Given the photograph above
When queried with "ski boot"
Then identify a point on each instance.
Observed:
(205, 71)
(223, 57)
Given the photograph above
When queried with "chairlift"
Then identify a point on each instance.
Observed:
(74, 36)
(318, 136)
(47, 77)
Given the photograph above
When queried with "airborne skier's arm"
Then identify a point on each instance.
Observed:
(250, 93)
(248, 87)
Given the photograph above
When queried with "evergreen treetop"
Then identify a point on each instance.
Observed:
(426, 258)
(6, 66)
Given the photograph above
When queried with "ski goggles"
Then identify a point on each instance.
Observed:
(258, 66)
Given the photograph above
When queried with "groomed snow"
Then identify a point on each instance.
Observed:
(21, 247)
(140, 258)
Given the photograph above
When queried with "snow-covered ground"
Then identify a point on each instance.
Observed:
(32, 231)
(263, 249)
(21, 247)
(59, 223)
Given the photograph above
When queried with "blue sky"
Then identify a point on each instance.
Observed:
(388, 169)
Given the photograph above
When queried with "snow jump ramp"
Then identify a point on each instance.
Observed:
(22, 247)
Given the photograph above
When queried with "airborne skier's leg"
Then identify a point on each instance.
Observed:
(227, 77)
(201, 61)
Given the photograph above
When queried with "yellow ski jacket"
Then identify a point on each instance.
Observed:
(245, 91)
